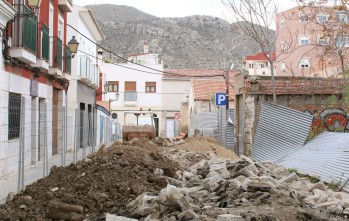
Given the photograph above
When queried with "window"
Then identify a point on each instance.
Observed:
(282, 23)
(130, 91)
(303, 17)
(322, 40)
(283, 66)
(304, 63)
(250, 65)
(303, 40)
(150, 87)
(321, 18)
(113, 86)
(342, 17)
(342, 41)
(262, 65)
(283, 45)
(14, 115)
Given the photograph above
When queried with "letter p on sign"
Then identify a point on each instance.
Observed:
(221, 99)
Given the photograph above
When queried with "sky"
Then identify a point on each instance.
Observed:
(178, 8)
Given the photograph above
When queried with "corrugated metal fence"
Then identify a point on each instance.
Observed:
(327, 156)
(216, 125)
(280, 131)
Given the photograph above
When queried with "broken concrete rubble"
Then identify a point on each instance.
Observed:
(226, 184)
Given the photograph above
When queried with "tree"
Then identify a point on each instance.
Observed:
(255, 18)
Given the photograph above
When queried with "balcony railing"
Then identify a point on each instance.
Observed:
(84, 66)
(25, 30)
(67, 60)
(130, 96)
(88, 69)
(45, 43)
(57, 53)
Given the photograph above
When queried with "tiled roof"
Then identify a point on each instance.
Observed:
(104, 104)
(259, 57)
(205, 89)
(192, 73)
(301, 86)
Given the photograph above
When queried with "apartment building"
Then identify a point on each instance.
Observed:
(34, 78)
(131, 87)
(309, 41)
(258, 64)
(85, 75)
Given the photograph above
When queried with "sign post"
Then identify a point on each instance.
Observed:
(221, 99)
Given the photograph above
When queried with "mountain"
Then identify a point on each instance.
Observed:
(194, 42)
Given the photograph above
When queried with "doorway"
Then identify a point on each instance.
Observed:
(170, 127)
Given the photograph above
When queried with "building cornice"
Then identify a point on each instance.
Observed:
(7, 12)
(90, 22)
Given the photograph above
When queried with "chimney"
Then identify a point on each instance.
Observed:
(146, 49)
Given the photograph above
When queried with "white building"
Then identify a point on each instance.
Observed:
(84, 75)
(139, 88)
(258, 64)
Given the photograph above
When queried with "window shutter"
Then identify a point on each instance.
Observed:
(130, 86)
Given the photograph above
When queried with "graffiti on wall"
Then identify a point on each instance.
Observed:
(330, 119)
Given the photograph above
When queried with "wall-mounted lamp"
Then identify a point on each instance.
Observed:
(117, 95)
(106, 87)
(73, 45)
(34, 4)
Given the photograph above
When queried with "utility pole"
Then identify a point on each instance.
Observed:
(227, 88)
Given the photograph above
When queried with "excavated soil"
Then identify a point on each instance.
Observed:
(104, 182)
(204, 144)
(110, 179)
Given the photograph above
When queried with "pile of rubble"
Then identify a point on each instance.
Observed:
(226, 189)
(146, 182)
(105, 182)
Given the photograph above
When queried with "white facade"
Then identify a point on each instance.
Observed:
(138, 97)
(84, 70)
(175, 93)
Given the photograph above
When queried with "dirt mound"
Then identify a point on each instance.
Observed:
(103, 182)
(204, 144)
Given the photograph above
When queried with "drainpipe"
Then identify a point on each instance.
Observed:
(65, 123)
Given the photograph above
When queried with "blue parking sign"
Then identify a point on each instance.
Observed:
(221, 99)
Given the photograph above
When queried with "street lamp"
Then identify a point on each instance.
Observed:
(106, 86)
(117, 95)
(34, 4)
(73, 46)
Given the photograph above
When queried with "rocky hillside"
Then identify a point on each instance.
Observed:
(189, 42)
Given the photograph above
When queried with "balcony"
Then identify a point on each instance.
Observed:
(43, 48)
(67, 61)
(65, 5)
(57, 57)
(130, 98)
(24, 39)
(88, 72)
